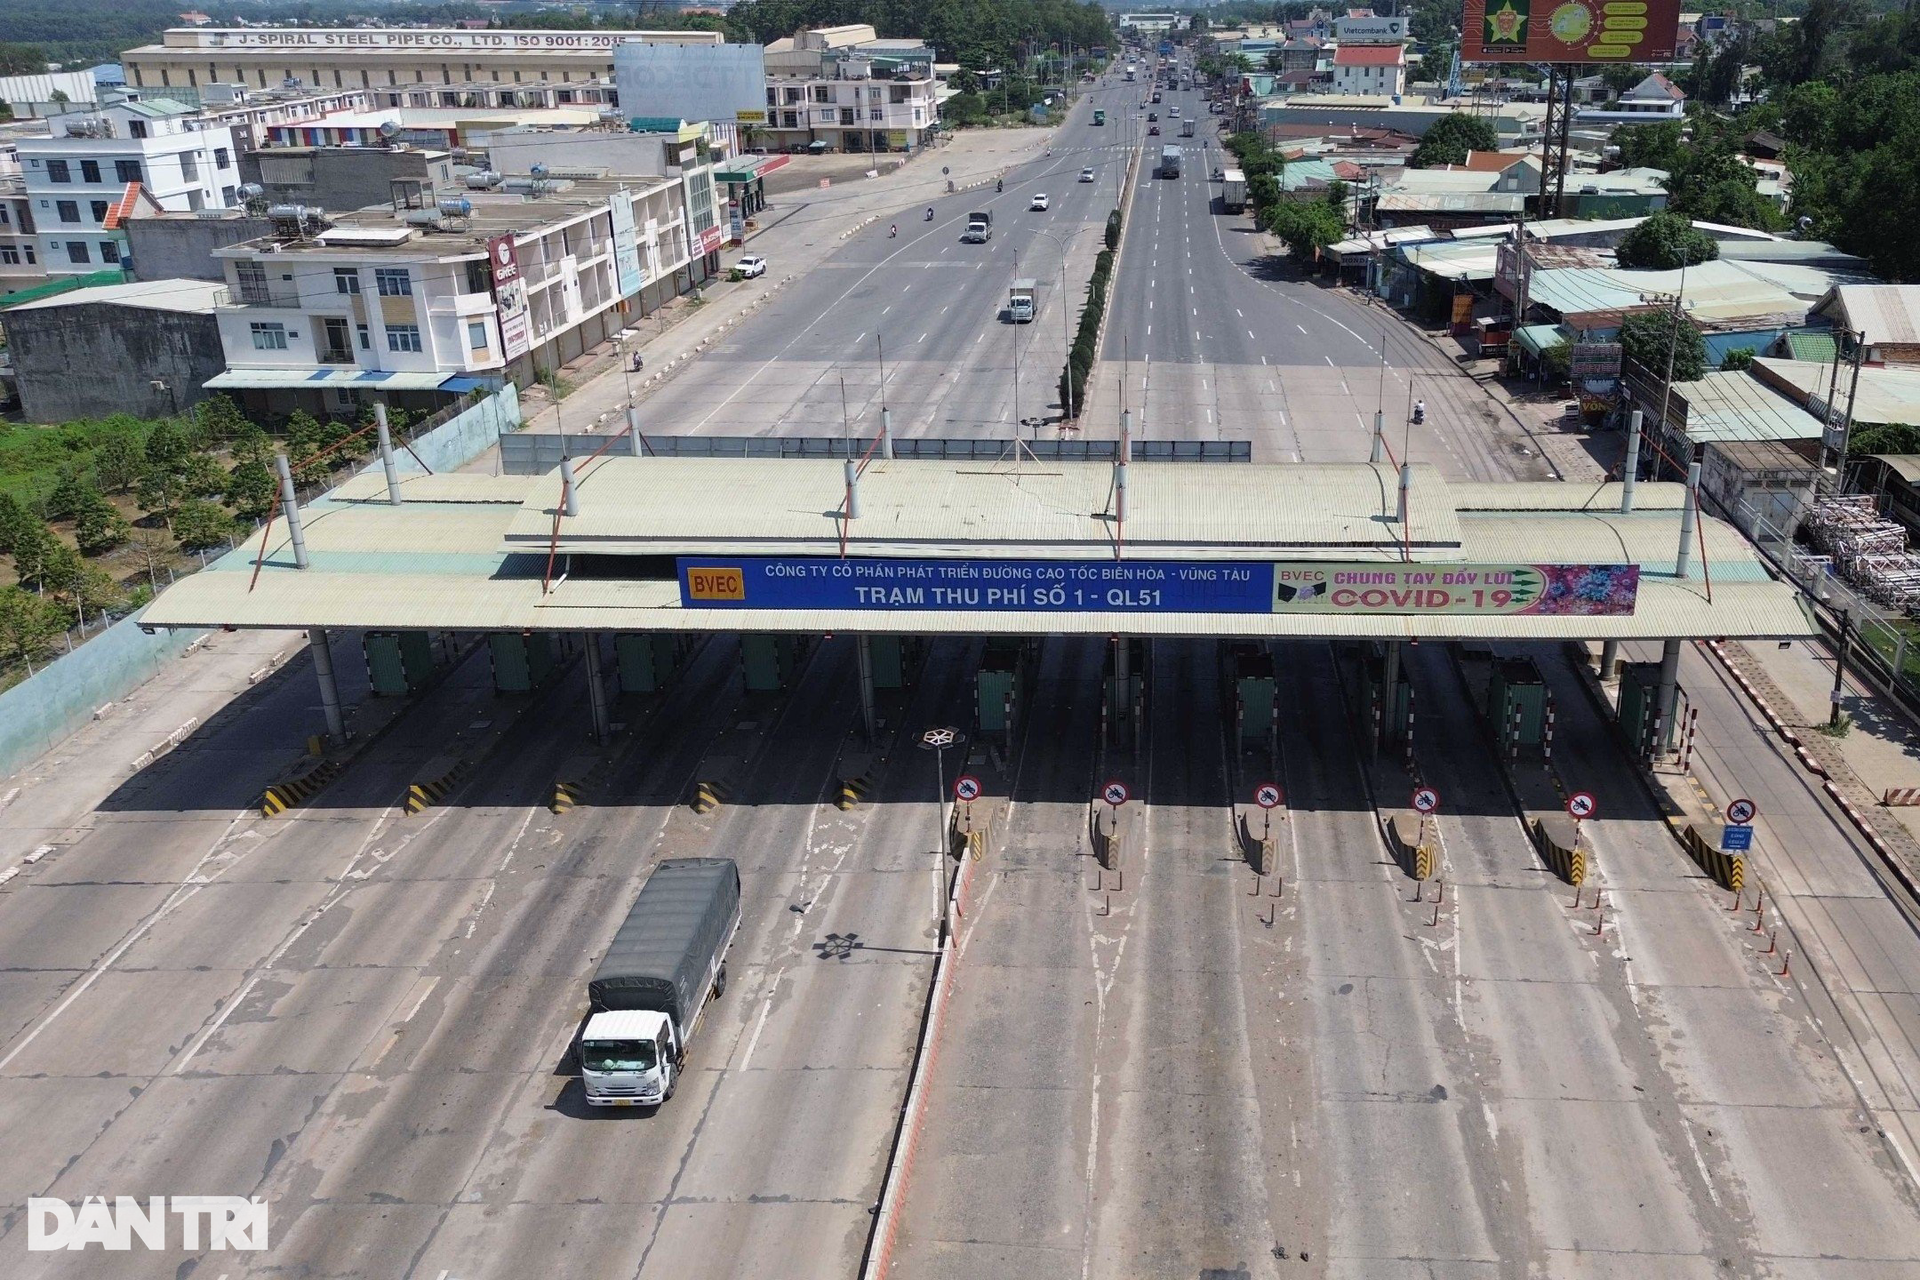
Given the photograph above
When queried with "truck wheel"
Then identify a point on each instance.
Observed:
(720, 982)
(673, 1081)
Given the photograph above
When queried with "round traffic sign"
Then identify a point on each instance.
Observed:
(944, 171)
(966, 787)
(1115, 793)
(1742, 811)
(1581, 804)
(1425, 799)
(1267, 795)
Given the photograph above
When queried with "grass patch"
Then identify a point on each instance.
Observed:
(31, 457)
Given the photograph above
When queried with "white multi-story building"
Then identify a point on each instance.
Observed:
(1369, 70)
(97, 164)
(462, 290)
(19, 250)
(841, 89)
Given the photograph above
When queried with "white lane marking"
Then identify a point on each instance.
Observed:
(1329, 360)
(1250, 336)
(1149, 331)
(889, 307)
(1302, 328)
(923, 337)
(759, 1025)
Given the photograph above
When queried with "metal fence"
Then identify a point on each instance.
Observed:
(524, 453)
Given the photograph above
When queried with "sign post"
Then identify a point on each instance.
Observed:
(1425, 802)
(937, 740)
(1580, 805)
(1267, 795)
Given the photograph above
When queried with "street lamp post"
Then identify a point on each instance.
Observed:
(1066, 322)
(937, 740)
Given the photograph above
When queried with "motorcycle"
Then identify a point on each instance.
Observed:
(929, 215)
(1419, 412)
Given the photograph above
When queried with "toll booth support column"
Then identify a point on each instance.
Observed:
(317, 643)
(863, 652)
(597, 690)
(1609, 655)
(1389, 682)
(1666, 700)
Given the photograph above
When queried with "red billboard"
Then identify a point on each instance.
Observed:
(1592, 32)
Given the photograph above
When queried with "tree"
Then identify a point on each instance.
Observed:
(219, 419)
(16, 522)
(99, 527)
(1649, 146)
(1275, 62)
(72, 492)
(1451, 138)
(1649, 339)
(34, 548)
(1665, 241)
(29, 625)
(1737, 359)
(117, 462)
(201, 525)
(162, 479)
(22, 60)
(203, 477)
(250, 487)
(252, 445)
(1306, 227)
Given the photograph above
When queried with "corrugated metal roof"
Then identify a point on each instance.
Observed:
(1450, 260)
(1738, 406)
(1884, 394)
(1812, 344)
(417, 486)
(689, 506)
(1717, 294)
(1888, 313)
(1500, 495)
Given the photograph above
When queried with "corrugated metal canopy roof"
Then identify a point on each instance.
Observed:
(695, 506)
(1738, 406)
(442, 560)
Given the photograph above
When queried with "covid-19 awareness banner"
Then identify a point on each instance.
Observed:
(1156, 586)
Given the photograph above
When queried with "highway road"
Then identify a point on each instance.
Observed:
(925, 309)
(1215, 340)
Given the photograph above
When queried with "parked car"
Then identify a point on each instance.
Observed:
(1038, 203)
(752, 265)
(1086, 175)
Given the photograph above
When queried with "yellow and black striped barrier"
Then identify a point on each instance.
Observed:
(1569, 864)
(429, 792)
(1729, 870)
(852, 792)
(564, 796)
(282, 796)
(708, 796)
(1423, 863)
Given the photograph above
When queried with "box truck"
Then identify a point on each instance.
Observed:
(1233, 191)
(979, 228)
(667, 962)
(1021, 300)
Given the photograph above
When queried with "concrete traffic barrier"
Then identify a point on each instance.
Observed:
(708, 796)
(1569, 863)
(296, 791)
(1729, 870)
(442, 775)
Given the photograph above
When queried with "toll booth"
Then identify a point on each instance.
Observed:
(1387, 710)
(1000, 687)
(894, 659)
(522, 661)
(1125, 688)
(398, 662)
(771, 663)
(1517, 703)
(648, 661)
(1639, 702)
(1249, 693)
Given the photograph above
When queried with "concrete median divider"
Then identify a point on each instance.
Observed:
(708, 795)
(436, 782)
(1415, 858)
(297, 790)
(1728, 870)
(1559, 849)
(859, 777)
(575, 780)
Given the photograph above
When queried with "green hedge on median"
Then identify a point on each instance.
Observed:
(1073, 379)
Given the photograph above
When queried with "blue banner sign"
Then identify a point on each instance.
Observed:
(1154, 586)
(1016, 586)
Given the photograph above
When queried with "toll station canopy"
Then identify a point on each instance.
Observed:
(980, 548)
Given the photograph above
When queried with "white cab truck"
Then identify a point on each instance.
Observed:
(666, 964)
(1233, 191)
(979, 228)
(1022, 300)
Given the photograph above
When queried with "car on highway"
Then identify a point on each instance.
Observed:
(1174, 113)
(1152, 116)
(1086, 175)
(1038, 203)
(1153, 131)
(752, 265)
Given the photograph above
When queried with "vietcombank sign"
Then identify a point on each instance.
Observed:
(1157, 586)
